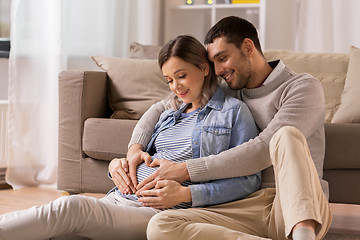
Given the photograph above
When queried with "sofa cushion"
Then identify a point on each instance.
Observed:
(329, 68)
(134, 85)
(141, 51)
(342, 143)
(349, 111)
(342, 165)
(341, 185)
(106, 139)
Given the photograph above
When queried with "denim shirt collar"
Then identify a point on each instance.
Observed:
(170, 118)
(217, 100)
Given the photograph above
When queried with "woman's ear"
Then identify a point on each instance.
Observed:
(205, 68)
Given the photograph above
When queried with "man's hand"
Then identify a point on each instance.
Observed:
(168, 170)
(135, 156)
(166, 194)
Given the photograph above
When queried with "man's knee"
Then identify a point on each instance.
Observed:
(160, 225)
(286, 138)
(286, 134)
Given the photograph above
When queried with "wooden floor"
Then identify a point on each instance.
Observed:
(11, 200)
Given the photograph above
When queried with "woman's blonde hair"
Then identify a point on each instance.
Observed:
(192, 51)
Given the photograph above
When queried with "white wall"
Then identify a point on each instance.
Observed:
(280, 24)
(312, 26)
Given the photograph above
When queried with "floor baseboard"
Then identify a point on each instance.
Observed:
(3, 184)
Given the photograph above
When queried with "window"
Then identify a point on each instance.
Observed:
(5, 19)
(5, 10)
(4, 53)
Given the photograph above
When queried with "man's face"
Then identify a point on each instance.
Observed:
(231, 63)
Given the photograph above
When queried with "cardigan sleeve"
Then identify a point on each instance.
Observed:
(145, 127)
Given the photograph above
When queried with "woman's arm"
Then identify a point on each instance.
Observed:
(230, 189)
(224, 190)
(169, 193)
(123, 176)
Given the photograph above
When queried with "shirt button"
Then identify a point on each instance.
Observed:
(195, 142)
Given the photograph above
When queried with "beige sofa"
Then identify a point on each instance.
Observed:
(89, 138)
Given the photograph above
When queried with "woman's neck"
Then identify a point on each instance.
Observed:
(191, 107)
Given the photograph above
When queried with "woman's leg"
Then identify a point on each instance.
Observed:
(109, 218)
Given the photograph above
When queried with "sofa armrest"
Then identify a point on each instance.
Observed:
(82, 94)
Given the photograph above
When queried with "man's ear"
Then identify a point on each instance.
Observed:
(248, 46)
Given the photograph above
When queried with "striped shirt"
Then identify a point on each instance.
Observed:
(174, 144)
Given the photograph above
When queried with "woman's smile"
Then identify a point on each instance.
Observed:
(183, 94)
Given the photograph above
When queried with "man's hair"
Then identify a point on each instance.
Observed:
(192, 51)
(235, 30)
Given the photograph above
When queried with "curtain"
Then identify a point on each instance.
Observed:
(328, 25)
(51, 36)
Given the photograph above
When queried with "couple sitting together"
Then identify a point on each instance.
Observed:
(195, 162)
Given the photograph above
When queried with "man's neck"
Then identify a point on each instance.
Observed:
(261, 72)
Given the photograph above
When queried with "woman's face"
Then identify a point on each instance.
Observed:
(185, 79)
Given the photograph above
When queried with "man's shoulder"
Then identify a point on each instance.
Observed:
(302, 80)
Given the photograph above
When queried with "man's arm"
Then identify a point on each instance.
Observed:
(303, 107)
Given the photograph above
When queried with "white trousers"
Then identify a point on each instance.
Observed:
(79, 217)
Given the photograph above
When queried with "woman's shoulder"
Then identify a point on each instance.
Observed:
(166, 114)
(232, 103)
(222, 102)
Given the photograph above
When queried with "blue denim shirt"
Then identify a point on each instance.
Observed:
(223, 123)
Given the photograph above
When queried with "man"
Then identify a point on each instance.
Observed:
(289, 110)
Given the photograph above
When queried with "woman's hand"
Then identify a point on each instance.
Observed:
(119, 171)
(166, 194)
(135, 156)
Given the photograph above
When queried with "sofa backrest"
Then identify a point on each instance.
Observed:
(329, 68)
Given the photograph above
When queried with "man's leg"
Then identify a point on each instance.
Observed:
(299, 196)
(243, 219)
